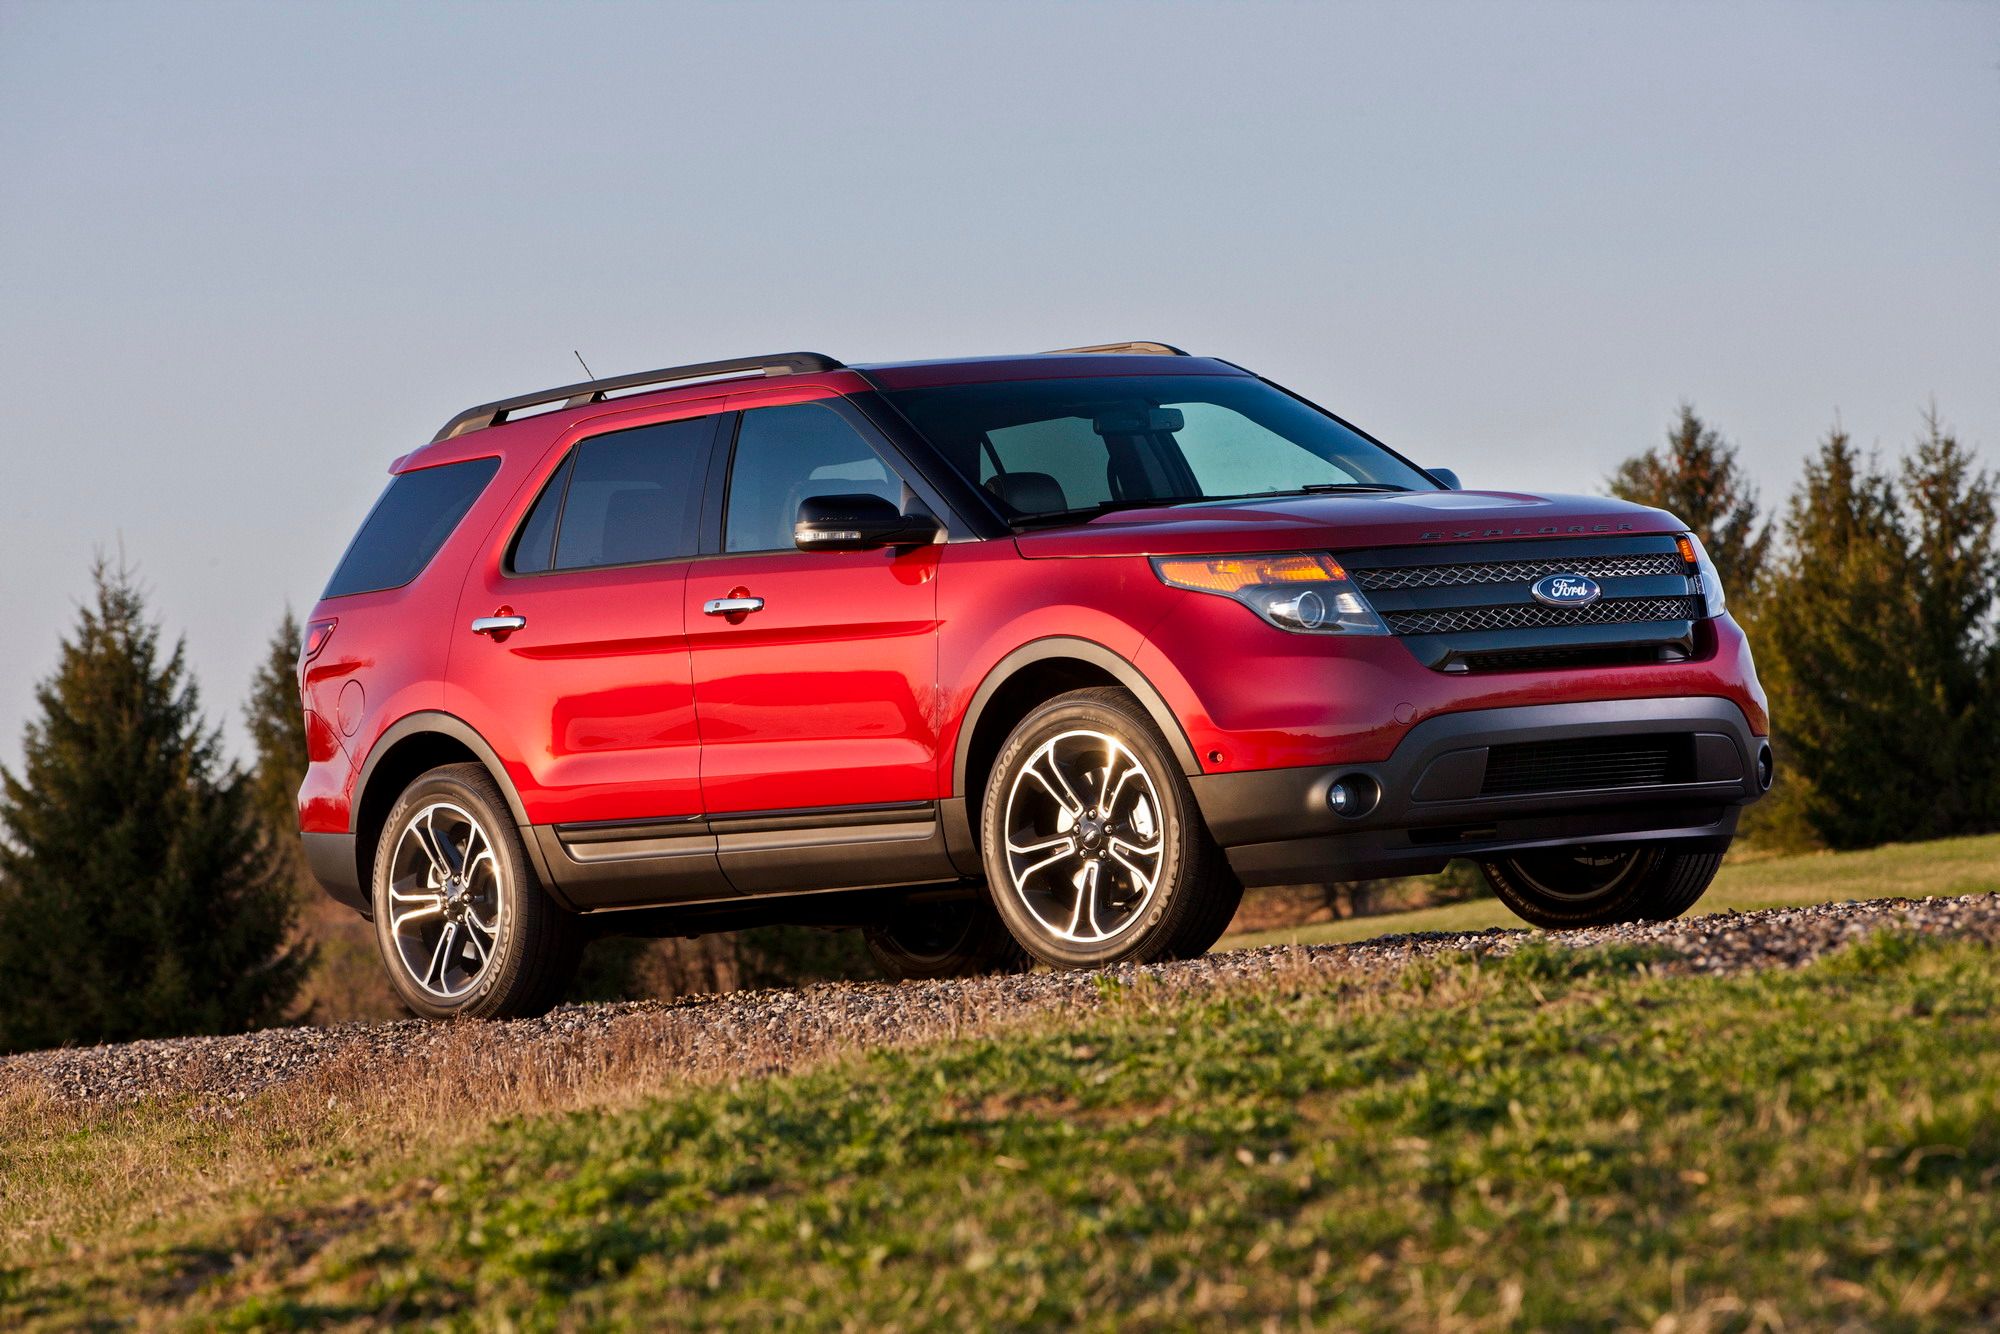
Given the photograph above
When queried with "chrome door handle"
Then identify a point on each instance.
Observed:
(731, 606)
(497, 625)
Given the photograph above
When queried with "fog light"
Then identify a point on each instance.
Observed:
(1353, 795)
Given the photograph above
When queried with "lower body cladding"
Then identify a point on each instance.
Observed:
(1493, 781)
(657, 863)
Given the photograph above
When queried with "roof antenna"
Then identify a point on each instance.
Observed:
(581, 362)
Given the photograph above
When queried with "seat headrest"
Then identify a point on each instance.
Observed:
(1028, 492)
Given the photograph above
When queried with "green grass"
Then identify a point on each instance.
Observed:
(1554, 1139)
(1911, 870)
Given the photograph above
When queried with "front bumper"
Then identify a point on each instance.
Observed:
(1436, 802)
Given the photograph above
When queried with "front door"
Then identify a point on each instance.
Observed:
(815, 673)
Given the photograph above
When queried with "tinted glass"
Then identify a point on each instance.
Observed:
(634, 496)
(1054, 446)
(408, 525)
(535, 546)
(790, 454)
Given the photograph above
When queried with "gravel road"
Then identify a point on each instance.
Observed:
(753, 1032)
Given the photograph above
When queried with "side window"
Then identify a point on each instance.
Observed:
(620, 499)
(408, 525)
(789, 454)
(535, 546)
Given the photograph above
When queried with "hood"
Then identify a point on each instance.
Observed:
(1342, 522)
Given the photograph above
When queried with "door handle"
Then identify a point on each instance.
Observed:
(731, 606)
(498, 625)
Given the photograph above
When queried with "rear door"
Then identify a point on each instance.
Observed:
(573, 661)
(815, 673)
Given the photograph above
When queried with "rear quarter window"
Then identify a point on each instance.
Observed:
(408, 525)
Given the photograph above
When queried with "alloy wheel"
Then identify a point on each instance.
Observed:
(1084, 837)
(445, 900)
(1578, 874)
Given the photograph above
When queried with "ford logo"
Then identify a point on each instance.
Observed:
(1566, 590)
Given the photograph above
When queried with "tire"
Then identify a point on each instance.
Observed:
(511, 949)
(957, 938)
(1090, 770)
(1586, 886)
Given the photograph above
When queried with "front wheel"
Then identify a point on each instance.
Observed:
(1597, 886)
(462, 923)
(1094, 848)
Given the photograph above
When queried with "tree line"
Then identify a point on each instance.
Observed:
(151, 886)
(1869, 603)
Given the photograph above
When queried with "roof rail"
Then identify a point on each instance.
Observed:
(1142, 349)
(593, 391)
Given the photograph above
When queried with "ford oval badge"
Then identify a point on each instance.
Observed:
(1566, 590)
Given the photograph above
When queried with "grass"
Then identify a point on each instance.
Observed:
(1912, 870)
(1551, 1139)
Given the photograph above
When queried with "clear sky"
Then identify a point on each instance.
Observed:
(250, 253)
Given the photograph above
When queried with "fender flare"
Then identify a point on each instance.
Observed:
(1083, 650)
(443, 724)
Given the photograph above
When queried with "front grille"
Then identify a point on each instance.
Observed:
(1517, 572)
(1469, 606)
(1611, 611)
(1587, 765)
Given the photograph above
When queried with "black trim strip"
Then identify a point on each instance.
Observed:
(744, 822)
(823, 817)
(618, 831)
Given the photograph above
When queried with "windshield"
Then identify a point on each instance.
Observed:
(1045, 448)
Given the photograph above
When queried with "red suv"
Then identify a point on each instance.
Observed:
(1033, 656)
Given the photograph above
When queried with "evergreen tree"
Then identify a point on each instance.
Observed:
(1953, 570)
(277, 722)
(137, 893)
(1833, 620)
(1695, 476)
(1867, 618)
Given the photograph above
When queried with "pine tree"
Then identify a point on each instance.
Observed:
(1832, 648)
(1954, 566)
(1696, 477)
(138, 896)
(277, 724)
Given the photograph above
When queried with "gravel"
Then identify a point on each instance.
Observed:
(748, 1033)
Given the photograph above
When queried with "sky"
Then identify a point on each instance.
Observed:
(251, 253)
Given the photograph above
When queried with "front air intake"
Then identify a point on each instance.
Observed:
(1587, 765)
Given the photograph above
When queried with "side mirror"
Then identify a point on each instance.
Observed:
(859, 523)
(1448, 477)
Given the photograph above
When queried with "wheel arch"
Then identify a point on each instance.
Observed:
(1041, 670)
(412, 746)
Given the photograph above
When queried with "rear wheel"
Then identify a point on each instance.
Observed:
(1595, 886)
(1094, 848)
(463, 925)
(956, 938)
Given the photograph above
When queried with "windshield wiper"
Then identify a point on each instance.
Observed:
(1107, 507)
(1335, 488)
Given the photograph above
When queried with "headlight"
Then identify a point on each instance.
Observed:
(1696, 555)
(1304, 592)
